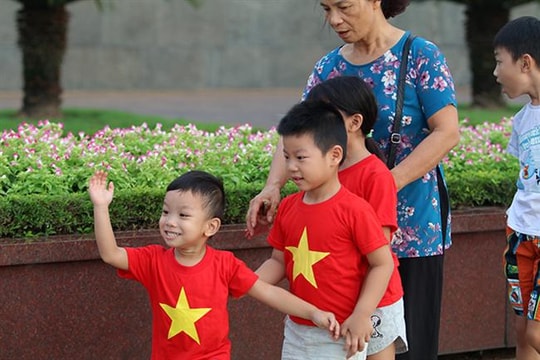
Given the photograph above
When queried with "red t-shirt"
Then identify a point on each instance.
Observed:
(324, 247)
(189, 304)
(371, 180)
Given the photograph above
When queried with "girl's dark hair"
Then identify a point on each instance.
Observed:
(351, 95)
(319, 119)
(209, 187)
(519, 37)
(392, 8)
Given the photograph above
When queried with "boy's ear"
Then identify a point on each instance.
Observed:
(212, 227)
(527, 63)
(336, 154)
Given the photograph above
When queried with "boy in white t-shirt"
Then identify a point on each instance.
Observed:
(517, 54)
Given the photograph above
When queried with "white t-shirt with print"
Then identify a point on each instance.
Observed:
(524, 212)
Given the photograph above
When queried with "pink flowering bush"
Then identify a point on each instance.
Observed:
(42, 160)
(44, 172)
(479, 171)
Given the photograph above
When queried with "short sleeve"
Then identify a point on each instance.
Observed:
(382, 196)
(368, 234)
(513, 143)
(242, 278)
(434, 82)
(139, 262)
(276, 236)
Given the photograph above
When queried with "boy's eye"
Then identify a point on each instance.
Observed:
(164, 212)
(183, 215)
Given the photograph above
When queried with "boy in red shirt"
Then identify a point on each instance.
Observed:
(324, 238)
(365, 174)
(189, 283)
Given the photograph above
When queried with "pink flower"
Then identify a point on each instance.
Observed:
(439, 83)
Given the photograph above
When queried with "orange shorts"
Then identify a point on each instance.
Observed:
(521, 260)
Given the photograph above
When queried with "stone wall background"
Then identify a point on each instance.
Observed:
(167, 44)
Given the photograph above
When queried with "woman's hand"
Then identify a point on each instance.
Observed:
(262, 209)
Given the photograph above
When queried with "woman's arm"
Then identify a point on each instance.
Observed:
(443, 137)
(262, 208)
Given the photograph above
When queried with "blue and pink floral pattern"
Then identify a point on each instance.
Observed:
(429, 88)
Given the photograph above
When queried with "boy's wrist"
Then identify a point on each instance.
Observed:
(314, 315)
(101, 207)
(363, 312)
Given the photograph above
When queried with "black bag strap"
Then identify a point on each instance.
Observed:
(395, 136)
(444, 203)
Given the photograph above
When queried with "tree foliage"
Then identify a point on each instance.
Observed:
(42, 28)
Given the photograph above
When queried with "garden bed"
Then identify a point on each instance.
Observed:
(65, 302)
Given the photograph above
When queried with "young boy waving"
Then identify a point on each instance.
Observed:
(189, 282)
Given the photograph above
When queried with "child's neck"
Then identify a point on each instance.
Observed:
(355, 154)
(190, 256)
(323, 192)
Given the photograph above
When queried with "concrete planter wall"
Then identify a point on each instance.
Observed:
(476, 314)
(59, 301)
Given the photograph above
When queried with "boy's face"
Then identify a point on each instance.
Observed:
(510, 74)
(184, 223)
(307, 166)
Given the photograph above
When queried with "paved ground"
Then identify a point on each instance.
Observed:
(259, 107)
(500, 354)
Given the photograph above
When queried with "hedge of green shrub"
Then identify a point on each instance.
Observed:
(44, 172)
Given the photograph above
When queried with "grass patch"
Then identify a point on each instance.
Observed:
(91, 120)
(478, 115)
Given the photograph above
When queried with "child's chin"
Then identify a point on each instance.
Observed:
(300, 184)
(509, 95)
(170, 242)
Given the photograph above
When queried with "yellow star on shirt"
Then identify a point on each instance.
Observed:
(183, 317)
(304, 259)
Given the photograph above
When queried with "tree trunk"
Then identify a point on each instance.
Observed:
(484, 18)
(42, 33)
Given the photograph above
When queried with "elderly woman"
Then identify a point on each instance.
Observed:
(373, 50)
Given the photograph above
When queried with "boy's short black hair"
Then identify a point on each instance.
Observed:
(319, 119)
(201, 183)
(519, 37)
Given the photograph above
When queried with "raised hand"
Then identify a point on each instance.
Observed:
(100, 192)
